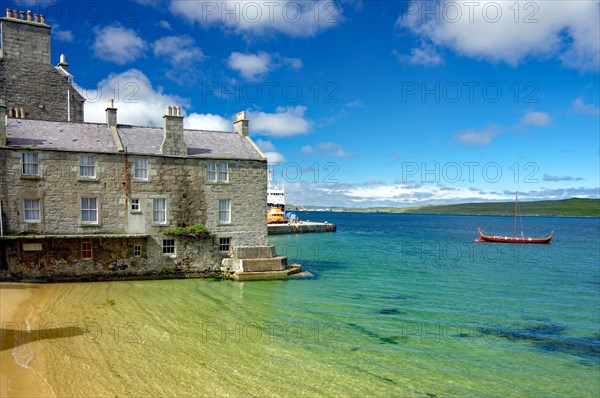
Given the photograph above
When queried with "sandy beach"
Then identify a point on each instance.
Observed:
(21, 354)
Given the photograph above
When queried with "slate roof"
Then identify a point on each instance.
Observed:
(96, 137)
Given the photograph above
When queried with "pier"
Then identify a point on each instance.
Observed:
(302, 227)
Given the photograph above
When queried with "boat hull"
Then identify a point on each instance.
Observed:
(513, 239)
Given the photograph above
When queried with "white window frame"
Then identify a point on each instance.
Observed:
(86, 207)
(211, 172)
(85, 250)
(156, 211)
(138, 168)
(84, 164)
(222, 172)
(30, 162)
(168, 247)
(217, 172)
(28, 209)
(225, 211)
(135, 205)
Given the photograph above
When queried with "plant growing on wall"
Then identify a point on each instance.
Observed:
(196, 230)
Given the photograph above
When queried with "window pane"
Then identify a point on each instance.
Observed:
(168, 246)
(159, 210)
(87, 166)
(135, 204)
(86, 250)
(211, 172)
(32, 209)
(223, 171)
(89, 210)
(224, 210)
(30, 163)
(140, 169)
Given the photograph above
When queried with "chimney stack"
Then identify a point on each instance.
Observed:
(111, 114)
(2, 123)
(240, 125)
(173, 141)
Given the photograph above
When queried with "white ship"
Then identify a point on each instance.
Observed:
(275, 195)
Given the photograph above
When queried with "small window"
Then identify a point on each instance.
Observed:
(224, 244)
(168, 246)
(159, 211)
(140, 169)
(223, 172)
(87, 166)
(137, 250)
(135, 205)
(89, 210)
(31, 164)
(224, 211)
(211, 171)
(31, 209)
(86, 250)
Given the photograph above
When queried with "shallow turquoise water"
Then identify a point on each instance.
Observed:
(400, 305)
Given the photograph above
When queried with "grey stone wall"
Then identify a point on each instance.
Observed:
(26, 74)
(181, 181)
(26, 41)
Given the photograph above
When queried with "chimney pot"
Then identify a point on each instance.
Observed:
(35, 18)
(29, 15)
(42, 18)
(15, 14)
(8, 13)
(23, 15)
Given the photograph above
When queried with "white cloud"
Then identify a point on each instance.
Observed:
(207, 121)
(476, 137)
(255, 66)
(267, 147)
(62, 35)
(307, 149)
(178, 50)
(536, 119)
(250, 66)
(380, 194)
(287, 121)
(426, 55)
(138, 103)
(165, 25)
(260, 18)
(332, 150)
(581, 107)
(567, 30)
(117, 44)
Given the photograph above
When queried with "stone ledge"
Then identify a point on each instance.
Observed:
(269, 275)
(79, 236)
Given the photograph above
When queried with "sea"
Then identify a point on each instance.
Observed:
(395, 305)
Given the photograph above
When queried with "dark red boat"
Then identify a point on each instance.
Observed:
(513, 238)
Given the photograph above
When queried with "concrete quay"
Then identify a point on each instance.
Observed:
(302, 227)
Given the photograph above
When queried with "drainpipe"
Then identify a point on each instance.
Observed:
(1, 222)
(68, 105)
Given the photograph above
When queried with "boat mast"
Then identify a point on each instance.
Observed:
(515, 217)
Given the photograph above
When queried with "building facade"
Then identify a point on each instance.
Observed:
(89, 201)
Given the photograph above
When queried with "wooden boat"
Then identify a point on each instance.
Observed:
(513, 238)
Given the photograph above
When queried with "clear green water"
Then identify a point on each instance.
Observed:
(399, 306)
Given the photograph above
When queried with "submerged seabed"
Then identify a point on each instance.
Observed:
(399, 306)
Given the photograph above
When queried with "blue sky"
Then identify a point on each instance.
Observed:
(360, 103)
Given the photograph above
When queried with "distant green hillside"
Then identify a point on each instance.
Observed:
(569, 207)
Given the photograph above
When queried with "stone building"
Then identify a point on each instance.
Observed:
(93, 201)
